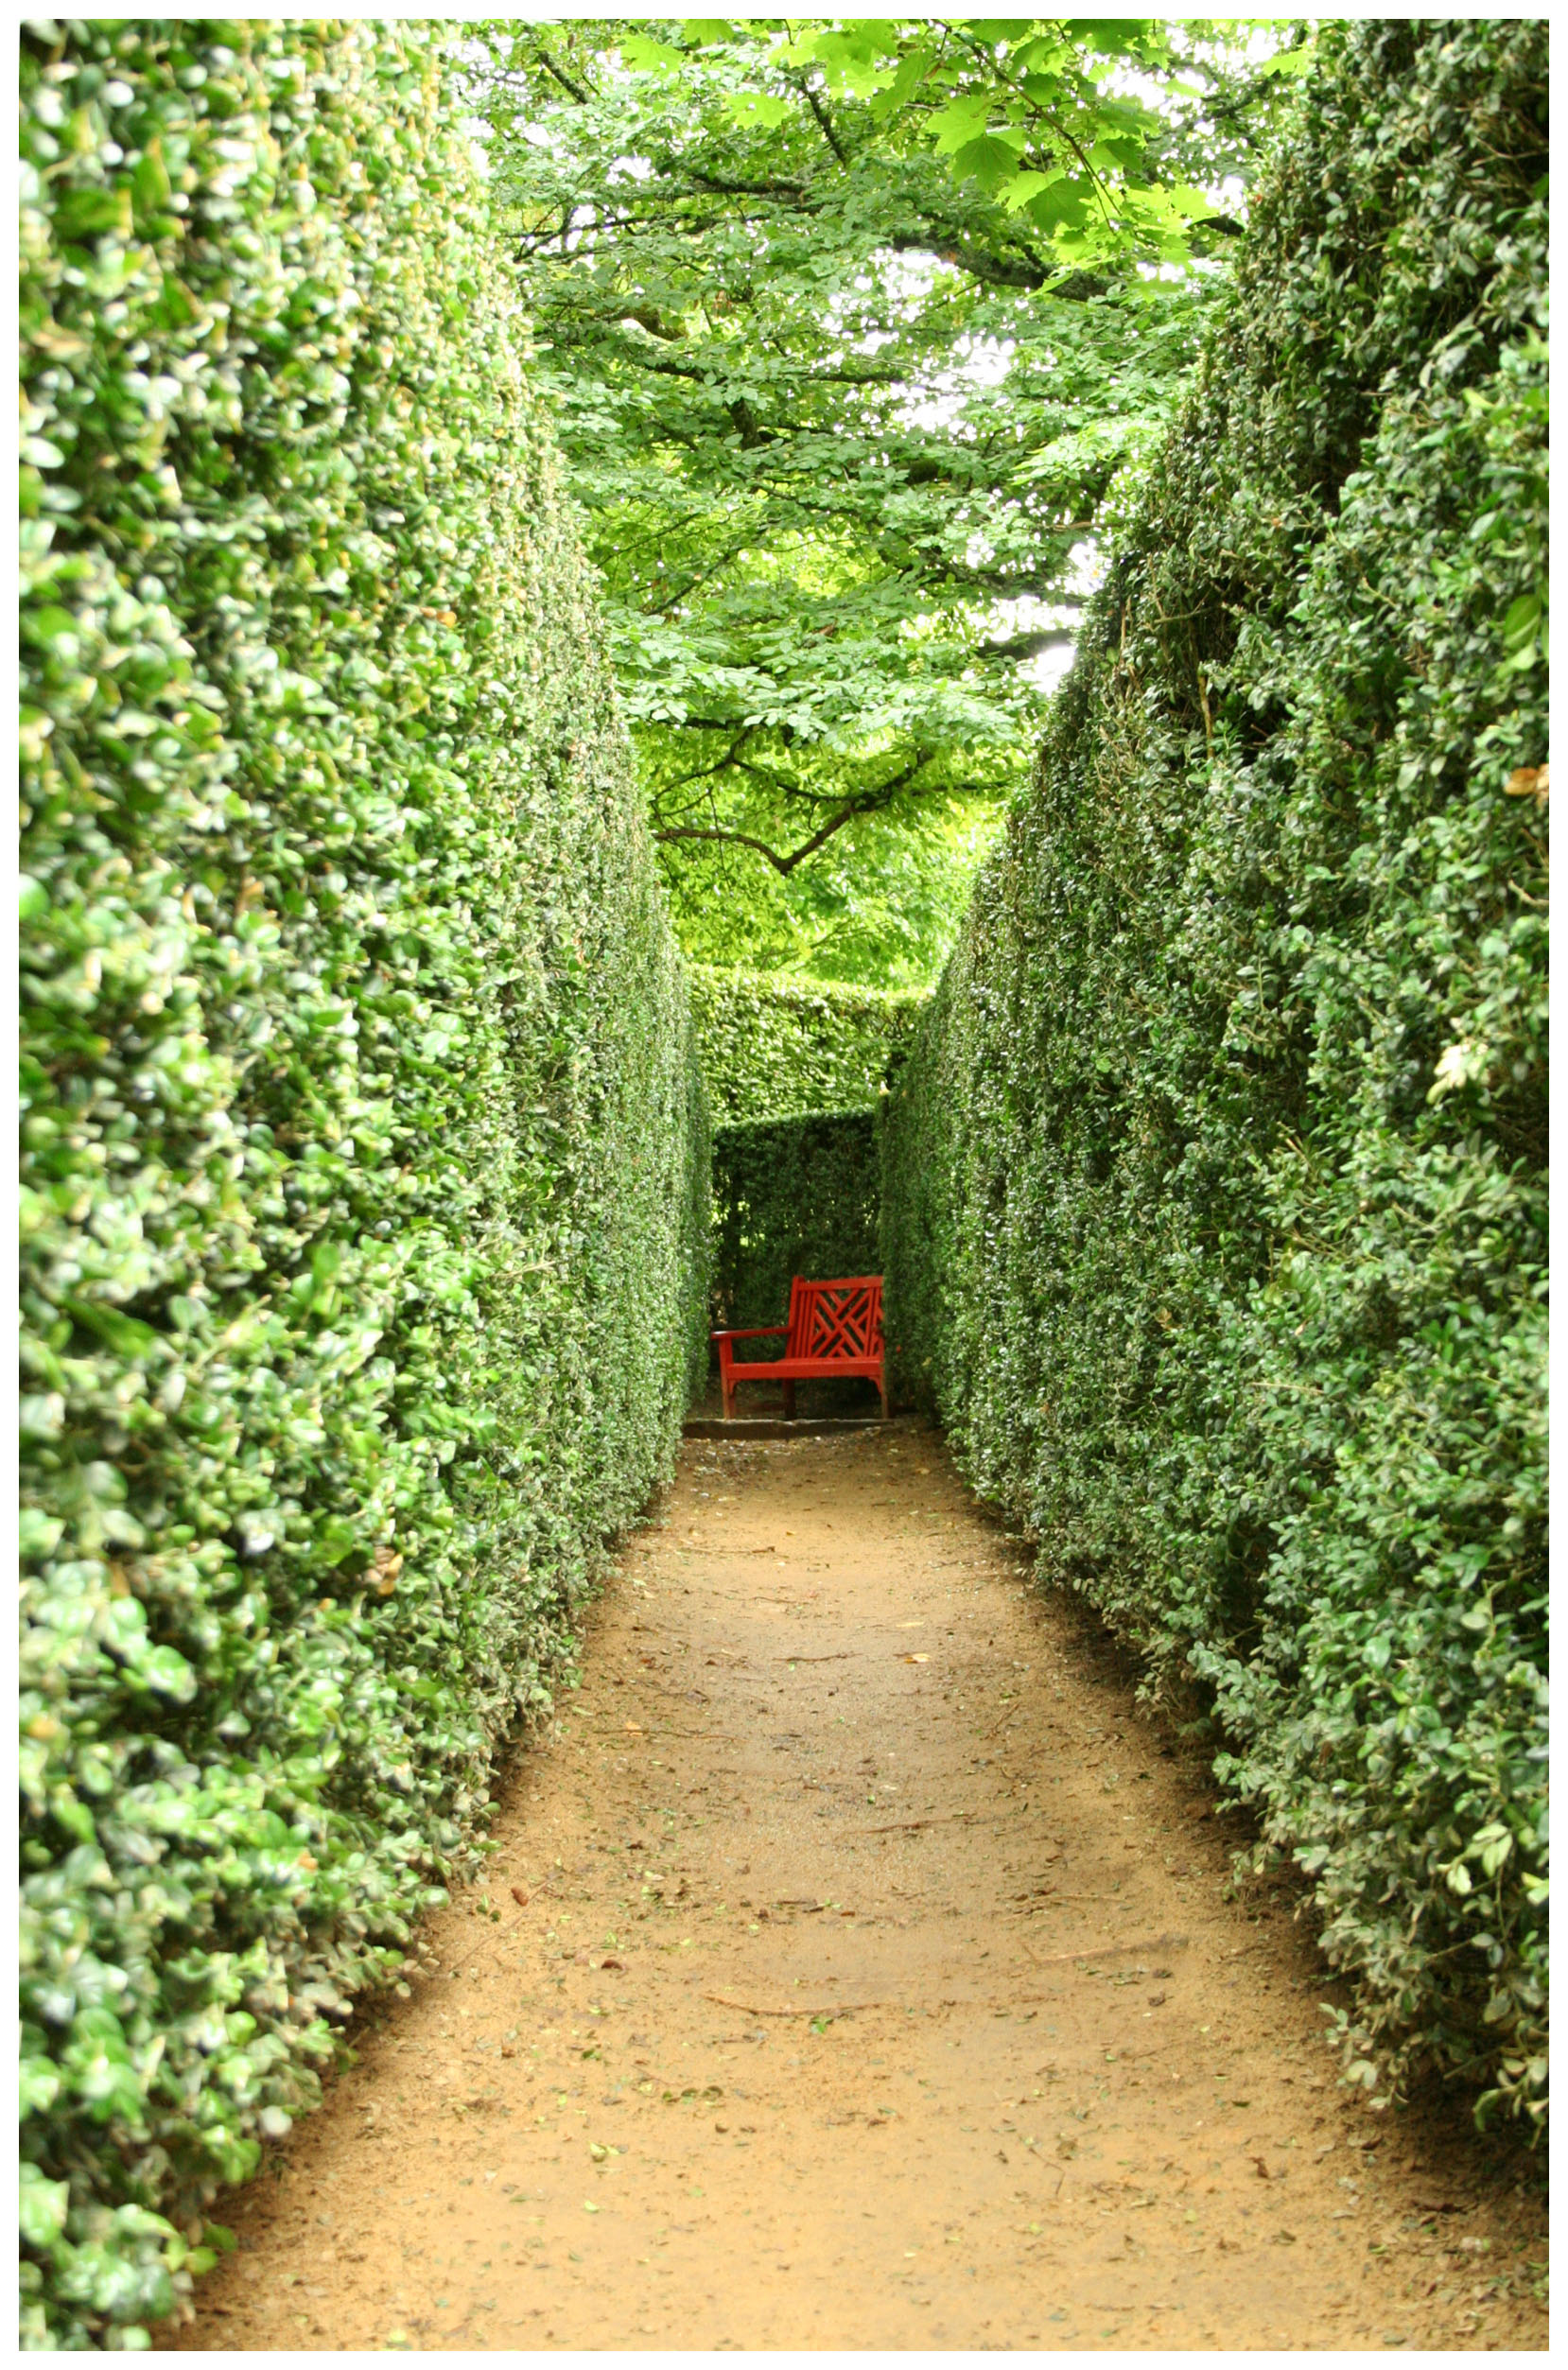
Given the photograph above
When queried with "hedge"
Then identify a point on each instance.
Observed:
(1215, 1182)
(365, 1151)
(791, 1198)
(774, 1046)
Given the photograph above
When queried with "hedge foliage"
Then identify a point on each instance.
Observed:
(791, 1198)
(365, 1150)
(774, 1046)
(1215, 1202)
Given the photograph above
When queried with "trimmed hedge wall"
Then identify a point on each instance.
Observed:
(365, 1191)
(791, 1198)
(1215, 1218)
(773, 1046)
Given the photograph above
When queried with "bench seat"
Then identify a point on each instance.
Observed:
(835, 1328)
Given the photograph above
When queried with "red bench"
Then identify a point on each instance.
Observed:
(835, 1328)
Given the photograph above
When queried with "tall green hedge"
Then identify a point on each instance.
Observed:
(771, 1047)
(365, 1185)
(791, 1198)
(1215, 1186)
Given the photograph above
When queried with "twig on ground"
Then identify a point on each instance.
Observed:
(836, 2008)
(942, 1819)
(1108, 1950)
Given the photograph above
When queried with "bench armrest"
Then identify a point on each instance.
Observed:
(747, 1333)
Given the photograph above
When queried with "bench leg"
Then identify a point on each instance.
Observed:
(728, 1388)
(789, 1398)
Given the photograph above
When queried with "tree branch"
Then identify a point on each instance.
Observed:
(649, 317)
(749, 428)
(674, 597)
(1021, 269)
(814, 103)
(701, 773)
(573, 90)
(867, 803)
(784, 866)
(728, 189)
(994, 271)
(602, 330)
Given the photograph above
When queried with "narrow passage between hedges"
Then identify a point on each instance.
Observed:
(857, 1968)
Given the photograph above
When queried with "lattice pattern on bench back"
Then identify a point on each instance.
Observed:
(840, 1319)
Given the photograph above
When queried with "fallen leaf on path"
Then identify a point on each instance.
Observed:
(519, 1894)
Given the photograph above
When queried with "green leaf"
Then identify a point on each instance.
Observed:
(915, 65)
(959, 123)
(758, 107)
(39, 2086)
(37, 1534)
(42, 2207)
(128, 1336)
(645, 55)
(992, 162)
(83, 214)
(168, 1673)
(1017, 191)
(1522, 617)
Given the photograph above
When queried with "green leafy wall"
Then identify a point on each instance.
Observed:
(365, 1170)
(1215, 1196)
(771, 1047)
(791, 1198)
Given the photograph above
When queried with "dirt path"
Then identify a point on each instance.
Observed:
(877, 1985)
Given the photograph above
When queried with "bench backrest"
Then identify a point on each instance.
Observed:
(840, 1318)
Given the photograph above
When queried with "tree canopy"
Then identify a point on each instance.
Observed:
(849, 329)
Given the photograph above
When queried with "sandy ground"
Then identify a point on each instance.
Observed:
(857, 1967)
